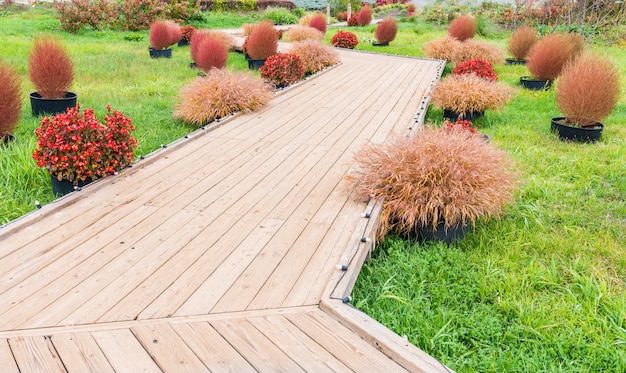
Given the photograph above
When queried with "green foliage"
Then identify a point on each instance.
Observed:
(281, 16)
(298, 12)
(342, 5)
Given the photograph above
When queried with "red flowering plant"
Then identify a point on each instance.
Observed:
(282, 69)
(186, 32)
(76, 147)
(344, 39)
(479, 67)
(461, 125)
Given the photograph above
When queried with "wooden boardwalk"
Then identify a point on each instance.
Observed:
(220, 252)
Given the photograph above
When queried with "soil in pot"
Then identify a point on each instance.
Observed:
(529, 82)
(51, 106)
(576, 134)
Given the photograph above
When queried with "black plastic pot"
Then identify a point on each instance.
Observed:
(183, 43)
(576, 134)
(51, 106)
(162, 53)
(255, 64)
(6, 138)
(529, 82)
(449, 235)
(452, 116)
(515, 61)
(377, 44)
(63, 187)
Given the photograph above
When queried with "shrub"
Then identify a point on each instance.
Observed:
(282, 69)
(474, 49)
(305, 20)
(318, 21)
(521, 41)
(442, 49)
(364, 16)
(344, 39)
(460, 125)
(468, 93)
(10, 102)
(264, 4)
(410, 8)
(547, 58)
(175, 32)
(353, 21)
(262, 42)
(161, 35)
(478, 67)
(341, 16)
(279, 16)
(194, 43)
(186, 32)
(75, 147)
(386, 30)
(315, 55)
(50, 68)
(219, 94)
(588, 90)
(138, 15)
(212, 53)
(301, 33)
(434, 176)
(77, 14)
(462, 27)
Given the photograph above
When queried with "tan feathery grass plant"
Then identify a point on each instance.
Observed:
(434, 176)
(467, 93)
(442, 49)
(301, 33)
(315, 55)
(521, 41)
(219, 94)
(588, 90)
(547, 58)
(474, 49)
(50, 68)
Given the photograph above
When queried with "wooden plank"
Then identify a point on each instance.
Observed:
(305, 351)
(167, 349)
(35, 354)
(259, 350)
(80, 353)
(7, 361)
(213, 350)
(386, 341)
(346, 346)
(124, 352)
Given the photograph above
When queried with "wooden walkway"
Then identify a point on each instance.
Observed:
(221, 252)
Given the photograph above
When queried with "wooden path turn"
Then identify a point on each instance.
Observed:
(221, 252)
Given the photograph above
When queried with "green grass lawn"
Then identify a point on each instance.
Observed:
(540, 290)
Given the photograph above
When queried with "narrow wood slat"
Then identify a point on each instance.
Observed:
(215, 352)
(124, 352)
(167, 349)
(7, 361)
(35, 354)
(305, 351)
(346, 346)
(259, 350)
(80, 353)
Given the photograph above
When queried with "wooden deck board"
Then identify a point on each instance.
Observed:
(214, 253)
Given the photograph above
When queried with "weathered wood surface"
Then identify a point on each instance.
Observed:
(215, 253)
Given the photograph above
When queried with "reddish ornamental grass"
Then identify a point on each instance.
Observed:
(318, 22)
(315, 55)
(211, 54)
(175, 33)
(344, 39)
(160, 35)
(548, 57)
(462, 27)
(364, 16)
(194, 43)
(262, 42)
(50, 68)
(342, 16)
(472, 49)
(588, 90)
(386, 30)
(10, 101)
(521, 41)
(282, 69)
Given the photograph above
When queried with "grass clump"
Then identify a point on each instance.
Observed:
(315, 55)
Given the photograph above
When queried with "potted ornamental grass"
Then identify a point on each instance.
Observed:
(435, 184)
(163, 34)
(314, 55)
(318, 22)
(467, 96)
(211, 53)
(385, 32)
(520, 43)
(364, 16)
(10, 102)
(260, 44)
(75, 148)
(586, 93)
(462, 28)
(547, 58)
(51, 71)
